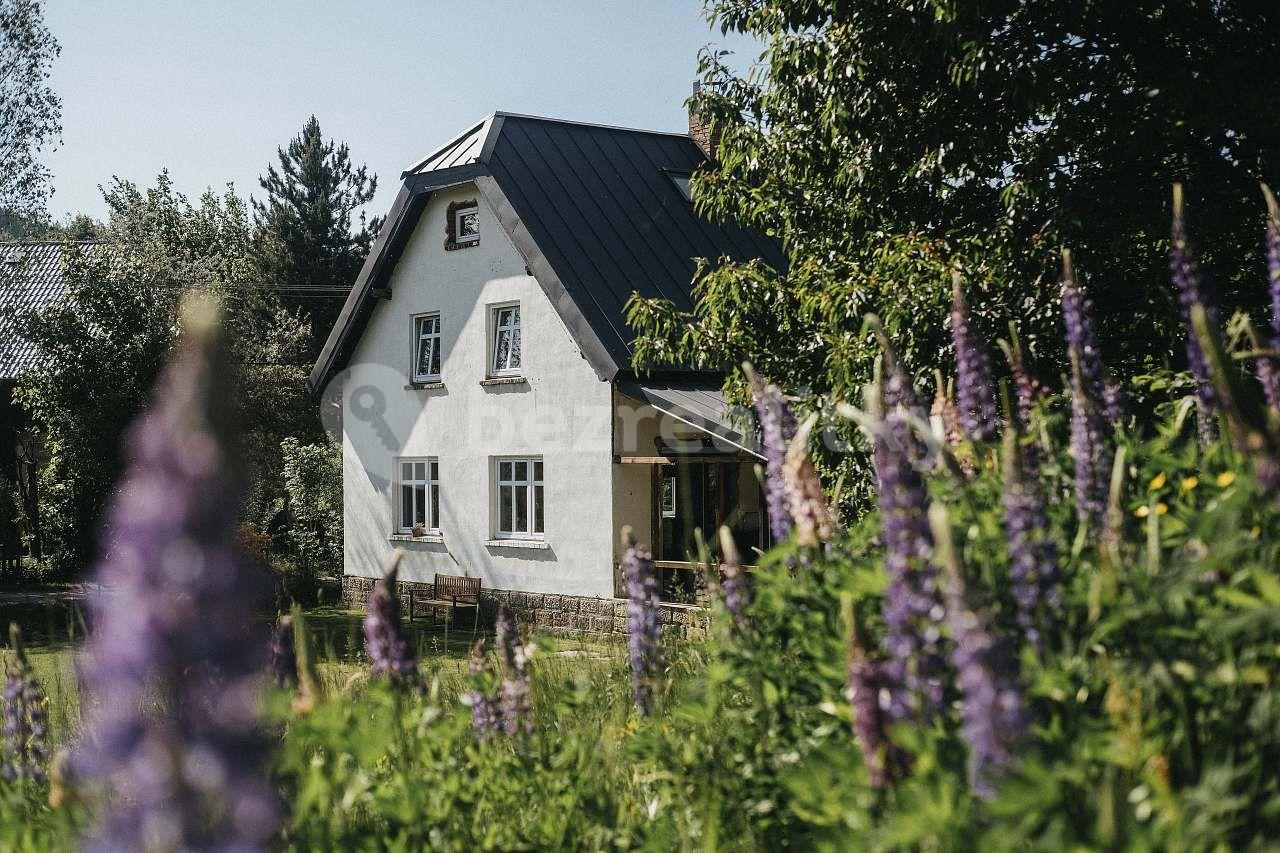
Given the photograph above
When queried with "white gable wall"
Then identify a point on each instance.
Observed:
(562, 414)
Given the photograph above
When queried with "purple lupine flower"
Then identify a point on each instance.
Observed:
(1090, 430)
(24, 748)
(486, 718)
(283, 663)
(993, 718)
(516, 695)
(913, 609)
(866, 687)
(734, 586)
(384, 640)
(1033, 556)
(644, 638)
(1115, 402)
(975, 388)
(1269, 366)
(170, 623)
(777, 428)
(810, 514)
(1193, 290)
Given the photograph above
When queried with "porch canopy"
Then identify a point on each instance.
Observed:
(697, 400)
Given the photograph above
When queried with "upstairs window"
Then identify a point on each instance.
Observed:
(505, 359)
(467, 225)
(462, 225)
(520, 499)
(426, 348)
(419, 488)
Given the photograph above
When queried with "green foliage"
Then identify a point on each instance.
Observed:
(30, 112)
(1153, 694)
(313, 487)
(311, 235)
(102, 348)
(883, 142)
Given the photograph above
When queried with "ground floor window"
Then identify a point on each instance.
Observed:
(519, 504)
(418, 485)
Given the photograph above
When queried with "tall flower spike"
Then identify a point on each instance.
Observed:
(994, 721)
(1033, 558)
(173, 625)
(1193, 290)
(644, 638)
(777, 428)
(733, 581)
(975, 389)
(24, 749)
(1090, 431)
(283, 661)
(1269, 366)
(913, 608)
(810, 514)
(885, 761)
(943, 414)
(486, 719)
(516, 692)
(384, 639)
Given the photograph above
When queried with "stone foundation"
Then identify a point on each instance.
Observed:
(544, 611)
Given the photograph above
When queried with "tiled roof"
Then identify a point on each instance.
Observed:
(31, 276)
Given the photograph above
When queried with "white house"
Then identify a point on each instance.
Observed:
(491, 423)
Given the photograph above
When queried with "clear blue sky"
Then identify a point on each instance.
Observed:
(209, 90)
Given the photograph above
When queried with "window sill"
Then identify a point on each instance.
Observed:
(430, 538)
(540, 544)
(455, 245)
(504, 380)
(424, 386)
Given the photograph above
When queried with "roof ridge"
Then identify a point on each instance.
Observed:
(600, 125)
(51, 242)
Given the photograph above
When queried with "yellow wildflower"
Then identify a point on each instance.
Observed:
(1226, 478)
(1157, 482)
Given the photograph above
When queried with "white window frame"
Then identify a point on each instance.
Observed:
(430, 480)
(496, 328)
(534, 492)
(418, 339)
(458, 237)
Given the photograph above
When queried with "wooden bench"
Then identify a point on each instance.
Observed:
(454, 592)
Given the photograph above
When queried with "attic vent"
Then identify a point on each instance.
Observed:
(682, 185)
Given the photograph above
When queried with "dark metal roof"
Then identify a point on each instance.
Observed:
(593, 210)
(697, 401)
(31, 276)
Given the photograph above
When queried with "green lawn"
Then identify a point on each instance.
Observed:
(54, 632)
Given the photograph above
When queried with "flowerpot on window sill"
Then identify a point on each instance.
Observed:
(504, 380)
(539, 544)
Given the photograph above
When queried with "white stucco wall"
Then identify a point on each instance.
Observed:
(561, 414)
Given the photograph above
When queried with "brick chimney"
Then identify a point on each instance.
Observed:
(700, 128)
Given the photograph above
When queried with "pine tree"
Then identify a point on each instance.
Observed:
(312, 235)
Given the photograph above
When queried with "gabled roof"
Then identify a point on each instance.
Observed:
(592, 208)
(31, 276)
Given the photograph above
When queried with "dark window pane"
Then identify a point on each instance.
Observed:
(504, 509)
(514, 358)
(504, 470)
(522, 472)
(435, 470)
(435, 507)
(537, 509)
(406, 506)
(419, 504)
(419, 470)
(537, 470)
(522, 511)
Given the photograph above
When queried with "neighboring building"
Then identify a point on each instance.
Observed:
(31, 276)
(491, 423)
